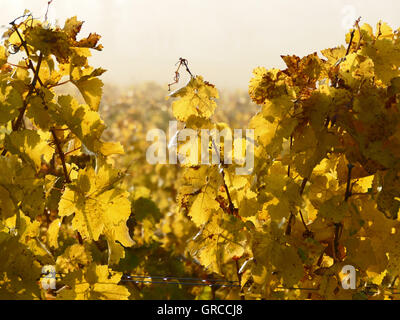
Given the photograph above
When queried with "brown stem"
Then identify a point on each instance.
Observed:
(66, 153)
(17, 66)
(304, 223)
(348, 191)
(78, 235)
(61, 154)
(181, 62)
(58, 84)
(351, 41)
(357, 24)
(303, 185)
(18, 122)
(288, 230)
(232, 208)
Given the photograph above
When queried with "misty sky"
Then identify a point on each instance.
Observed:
(224, 40)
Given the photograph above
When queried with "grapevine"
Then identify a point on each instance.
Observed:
(323, 194)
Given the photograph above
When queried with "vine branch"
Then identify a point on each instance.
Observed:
(61, 154)
(181, 62)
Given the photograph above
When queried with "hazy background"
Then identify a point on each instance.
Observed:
(224, 40)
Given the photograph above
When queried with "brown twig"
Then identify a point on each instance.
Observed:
(288, 230)
(79, 237)
(18, 66)
(348, 191)
(357, 24)
(47, 10)
(181, 62)
(350, 42)
(58, 84)
(304, 223)
(303, 185)
(23, 43)
(61, 154)
(17, 124)
(71, 151)
(232, 208)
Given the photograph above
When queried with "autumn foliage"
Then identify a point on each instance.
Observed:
(324, 191)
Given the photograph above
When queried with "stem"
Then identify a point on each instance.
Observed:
(18, 122)
(351, 41)
(181, 62)
(303, 185)
(231, 205)
(23, 43)
(78, 235)
(348, 191)
(76, 149)
(288, 230)
(58, 84)
(61, 154)
(17, 66)
(304, 223)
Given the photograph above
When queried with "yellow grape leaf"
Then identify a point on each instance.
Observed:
(264, 130)
(334, 209)
(7, 207)
(109, 148)
(32, 146)
(356, 68)
(116, 252)
(52, 233)
(287, 263)
(98, 282)
(383, 30)
(72, 27)
(367, 34)
(303, 72)
(49, 41)
(10, 102)
(361, 253)
(24, 189)
(196, 99)
(100, 207)
(90, 41)
(203, 206)
(267, 84)
(19, 270)
(73, 258)
(334, 54)
(85, 123)
(247, 203)
(385, 55)
(3, 56)
(38, 114)
(91, 90)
